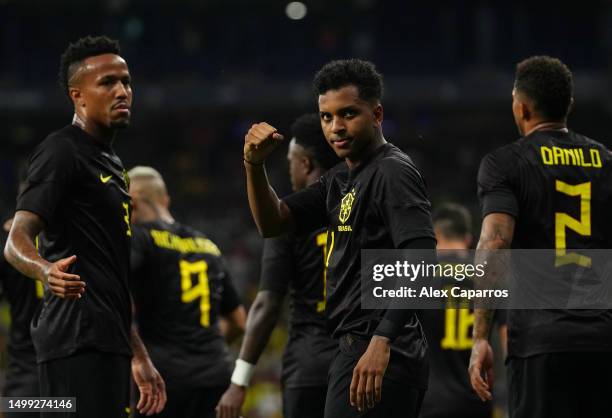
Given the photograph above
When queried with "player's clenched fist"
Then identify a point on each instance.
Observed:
(259, 142)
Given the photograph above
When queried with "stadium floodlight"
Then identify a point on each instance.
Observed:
(296, 10)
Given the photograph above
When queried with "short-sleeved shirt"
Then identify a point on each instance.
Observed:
(534, 179)
(296, 265)
(78, 186)
(181, 287)
(380, 204)
(24, 296)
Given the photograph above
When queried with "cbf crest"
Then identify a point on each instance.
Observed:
(346, 206)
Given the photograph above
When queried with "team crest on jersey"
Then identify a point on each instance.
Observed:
(346, 206)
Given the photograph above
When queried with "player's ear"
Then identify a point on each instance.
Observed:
(378, 114)
(76, 96)
(526, 111)
(307, 165)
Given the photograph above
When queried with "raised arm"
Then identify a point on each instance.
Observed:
(271, 215)
(20, 251)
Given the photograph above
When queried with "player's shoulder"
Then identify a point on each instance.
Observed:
(504, 158)
(203, 243)
(394, 162)
(62, 140)
(59, 148)
(508, 151)
(176, 236)
(593, 143)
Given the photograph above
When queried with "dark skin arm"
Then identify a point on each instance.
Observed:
(272, 216)
(261, 321)
(497, 234)
(20, 251)
(366, 385)
(150, 383)
(233, 324)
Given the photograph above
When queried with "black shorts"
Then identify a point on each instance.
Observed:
(305, 402)
(560, 385)
(100, 382)
(399, 400)
(190, 403)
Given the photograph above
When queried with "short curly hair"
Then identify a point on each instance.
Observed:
(340, 73)
(548, 82)
(86, 47)
(308, 133)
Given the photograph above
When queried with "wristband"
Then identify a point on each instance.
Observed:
(243, 371)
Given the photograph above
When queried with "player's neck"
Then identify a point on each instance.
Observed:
(153, 213)
(546, 126)
(164, 215)
(103, 135)
(354, 161)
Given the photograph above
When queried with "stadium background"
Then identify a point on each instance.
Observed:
(204, 71)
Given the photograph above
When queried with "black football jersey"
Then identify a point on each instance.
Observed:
(295, 265)
(181, 286)
(558, 187)
(380, 204)
(78, 186)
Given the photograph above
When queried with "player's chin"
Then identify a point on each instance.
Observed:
(342, 152)
(120, 123)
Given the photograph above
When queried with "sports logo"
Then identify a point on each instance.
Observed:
(105, 179)
(346, 205)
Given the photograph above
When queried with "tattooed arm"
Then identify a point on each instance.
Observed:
(497, 233)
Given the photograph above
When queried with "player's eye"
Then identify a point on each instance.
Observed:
(349, 114)
(326, 117)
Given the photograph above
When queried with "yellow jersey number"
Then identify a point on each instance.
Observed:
(457, 324)
(191, 290)
(581, 227)
(126, 218)
(321, 241)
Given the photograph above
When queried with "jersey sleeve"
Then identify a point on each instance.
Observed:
(495, 184)
(229, 298)
(140, 251)
(49, 174)
(277, 264)
(403, 202)
(308, 207)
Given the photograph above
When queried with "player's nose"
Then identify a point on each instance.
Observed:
(121, 91)
(337, 125)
